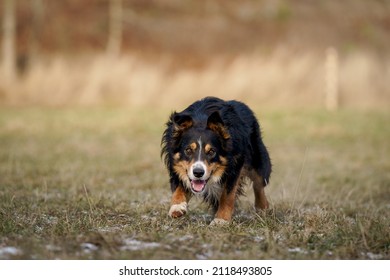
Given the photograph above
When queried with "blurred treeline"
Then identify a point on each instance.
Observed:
(191, 47)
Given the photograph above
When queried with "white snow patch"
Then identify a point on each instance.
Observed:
(186, 237)
(136, 245)
(207, 254)
(297, 250)
(258, 238)
(53, 248)
(373, 256)
(204, 256)
(110, 229)
(89, 247)
(6, 252)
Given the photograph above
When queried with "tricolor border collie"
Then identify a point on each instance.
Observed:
(208, 149)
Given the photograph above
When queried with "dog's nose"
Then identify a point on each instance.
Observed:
(198, 172)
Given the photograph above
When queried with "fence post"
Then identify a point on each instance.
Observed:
(331, 79)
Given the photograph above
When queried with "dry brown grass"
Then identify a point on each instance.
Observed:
(277, 79)
(89, 183)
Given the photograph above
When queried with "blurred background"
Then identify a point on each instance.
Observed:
(273, 53)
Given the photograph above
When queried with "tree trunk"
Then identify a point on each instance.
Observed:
(37, 22)
(115, 28)
(9, 67)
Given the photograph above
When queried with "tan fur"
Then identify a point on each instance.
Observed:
(180, 168)
(261, 202)
(220, 129)
(226, 204)
(179, 201)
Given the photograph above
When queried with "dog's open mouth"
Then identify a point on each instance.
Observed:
(198, 185)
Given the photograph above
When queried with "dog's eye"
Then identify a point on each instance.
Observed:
(211, 153)
(188, 152)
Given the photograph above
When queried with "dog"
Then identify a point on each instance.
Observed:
(209, 149)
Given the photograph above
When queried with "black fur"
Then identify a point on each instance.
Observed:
(242, 146)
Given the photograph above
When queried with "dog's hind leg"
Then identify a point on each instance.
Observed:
(261, 168)
(261, 202)
(179, 201)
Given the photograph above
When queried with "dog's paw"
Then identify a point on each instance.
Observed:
(178, 210)
(219, 222)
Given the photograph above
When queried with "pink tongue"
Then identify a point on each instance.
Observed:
(198, 185)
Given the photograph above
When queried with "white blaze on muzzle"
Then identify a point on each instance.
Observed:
(198, 172)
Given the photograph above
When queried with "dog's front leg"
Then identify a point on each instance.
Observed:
(179, 202)
(225, 207)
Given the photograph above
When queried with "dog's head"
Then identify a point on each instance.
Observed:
(199, 157)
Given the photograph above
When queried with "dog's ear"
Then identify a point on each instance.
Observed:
(181, 122)
(216, 124)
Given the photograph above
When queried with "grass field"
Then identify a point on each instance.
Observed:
(88, 183)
